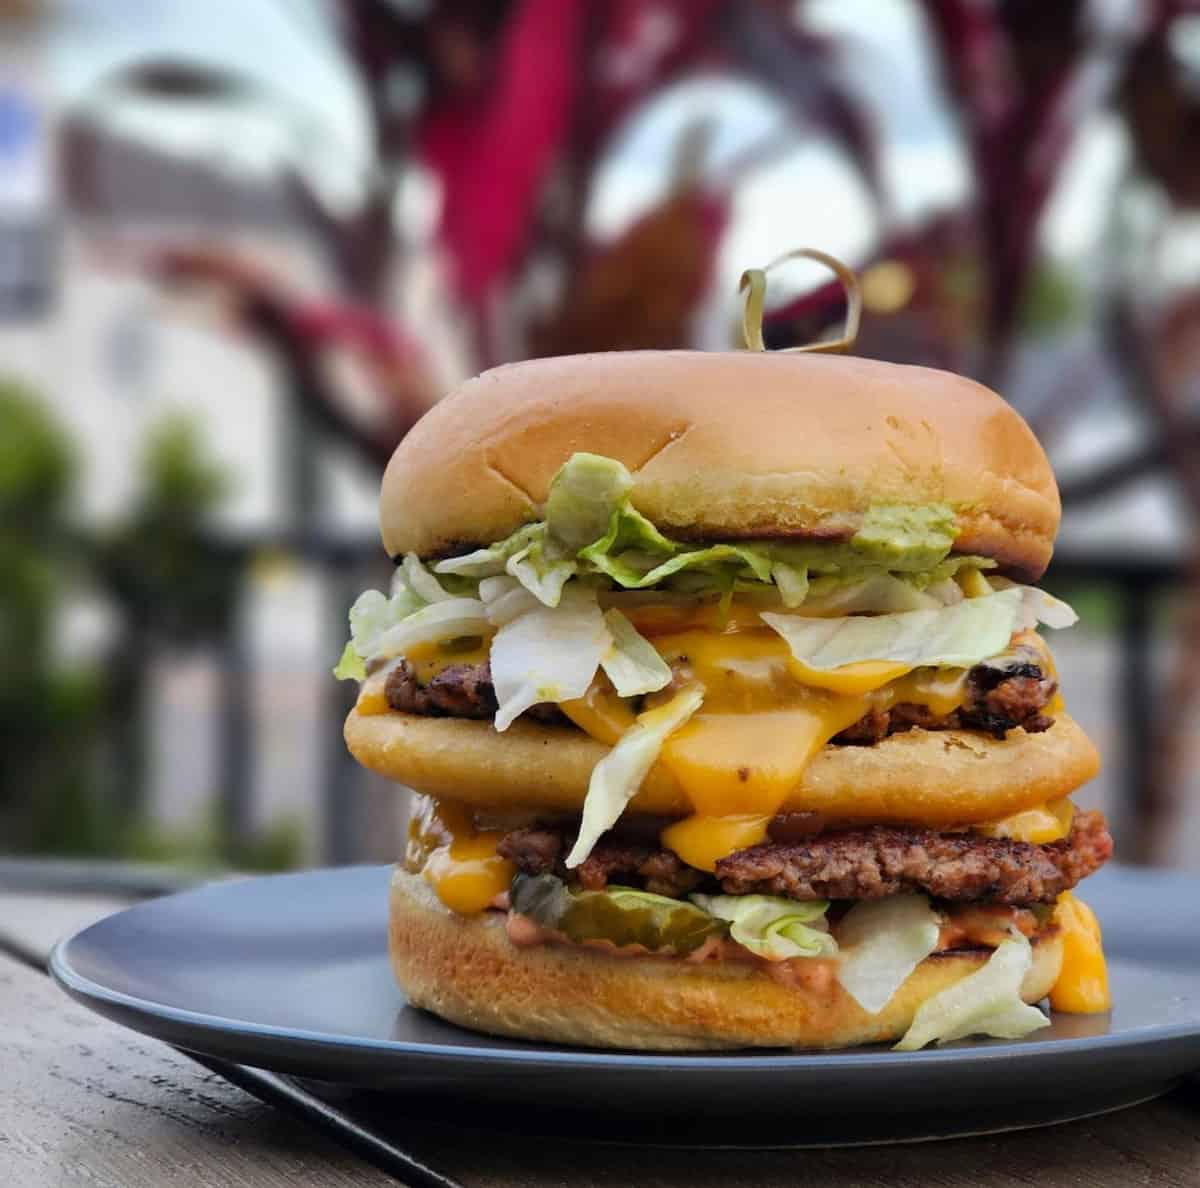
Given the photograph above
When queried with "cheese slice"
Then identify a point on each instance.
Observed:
(372, 698)
(458, 861)
(1082, 986)
(1040, 825)
(600, 712)
(853, 679)
(702, 841)
(760, 725)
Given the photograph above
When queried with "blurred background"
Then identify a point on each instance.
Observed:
(245, 243)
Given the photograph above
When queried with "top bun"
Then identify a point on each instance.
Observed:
(726, 446)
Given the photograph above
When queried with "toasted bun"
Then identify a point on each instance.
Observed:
(465, 969)
(935, 778)
(729, 445)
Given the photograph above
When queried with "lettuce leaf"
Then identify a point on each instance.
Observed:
(876, 593)
(585, 495)
(631, 662)
(882, 941)
(590, 523)
(987, 1002)
(541, 572)
(772, 927)
(791, 581)
(947, 591)
(350, 667)
(547, 654)
(371, 617)
(617, 777)
(629, 569)
(489, 562)
(505, 598)
(630, 546)
(896, 565)
(420, 581)
(451, 618)
(953, 636)
(1041, 607)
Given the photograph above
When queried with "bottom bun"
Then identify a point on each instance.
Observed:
(465, 969)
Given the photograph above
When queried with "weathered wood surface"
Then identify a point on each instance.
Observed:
(32, 923)
(85, 1102)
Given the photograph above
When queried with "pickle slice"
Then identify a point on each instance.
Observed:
(622, 915)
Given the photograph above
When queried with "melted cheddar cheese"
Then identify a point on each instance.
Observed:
(764, 717)
(458, 861)
(600, 712)
(371, 696)
(1040, 825)
(1082, 986)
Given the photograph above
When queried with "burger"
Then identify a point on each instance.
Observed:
(718, 681)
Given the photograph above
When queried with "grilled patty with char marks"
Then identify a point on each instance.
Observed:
(865, 863)
(1002, 693)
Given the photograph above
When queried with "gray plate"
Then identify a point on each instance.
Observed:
(291, 973)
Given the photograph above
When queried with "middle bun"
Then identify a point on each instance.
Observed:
(923, 777)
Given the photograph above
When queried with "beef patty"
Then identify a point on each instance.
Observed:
(1002, 693)
(460, 691)
(842, 864)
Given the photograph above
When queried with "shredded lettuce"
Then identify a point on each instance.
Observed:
(791, 581)
(876, 593)
(541, 571)
(420, 581)
(896, 568)
(372, 616)
(350, 667)
(489, 562)
(451, 618)
(1041, 607)
(585, 494)
(505, 598)
(374, 613)
(617, 777)
(547, 654)
(629, 530)
(591, 527)
(631, 662)
(987, 1002)
(882, 941)
(629, 569)
(492, 588)
(947, 591)
(956, 636)
(772, 927)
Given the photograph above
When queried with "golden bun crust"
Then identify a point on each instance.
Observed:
(936, 778)
(465, 969)
(728, 445)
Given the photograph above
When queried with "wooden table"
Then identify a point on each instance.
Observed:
(85, 1102)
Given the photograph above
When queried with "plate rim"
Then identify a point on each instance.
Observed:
(92, 993)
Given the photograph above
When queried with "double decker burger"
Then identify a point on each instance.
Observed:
(718, 679)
